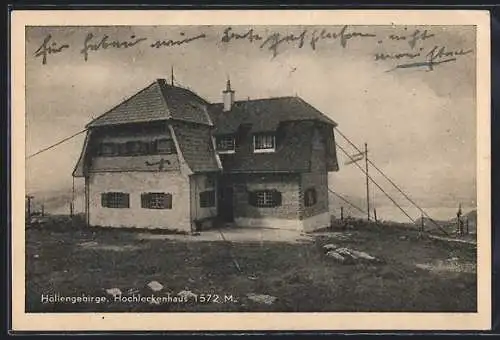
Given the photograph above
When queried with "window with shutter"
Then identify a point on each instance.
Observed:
(207, 199)
(156, 200)
(115, 200)
(310, 197)
(265, 198)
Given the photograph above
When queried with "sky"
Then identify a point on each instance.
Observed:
(419, 123)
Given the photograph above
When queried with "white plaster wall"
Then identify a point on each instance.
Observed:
(316, 222)
(198, 184)
(136, 183)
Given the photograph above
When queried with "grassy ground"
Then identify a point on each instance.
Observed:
(300, 276)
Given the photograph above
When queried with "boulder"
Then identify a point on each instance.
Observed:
(262, 298)
(155, 286)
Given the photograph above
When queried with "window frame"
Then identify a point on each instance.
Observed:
(120, 200)
(310, 197)
(137, 147)
(209, 201)
(161, 200)
(257, 149)
(113, 147)
(266, 198)
(225, 138)
(170, 151)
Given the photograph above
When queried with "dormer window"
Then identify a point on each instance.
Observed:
(226, 144)
(264, 142)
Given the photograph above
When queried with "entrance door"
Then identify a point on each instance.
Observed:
(226, 204)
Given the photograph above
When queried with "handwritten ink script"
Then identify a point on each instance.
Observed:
(49, 47)
(401, 48)
(274, 40)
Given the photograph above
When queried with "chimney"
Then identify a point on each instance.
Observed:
(228, 97)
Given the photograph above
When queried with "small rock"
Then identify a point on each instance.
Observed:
(346, 252)
(252, 277)
(114, 292)
(36, 256)
(191, 280)
(453, 259)
(187, 294)
(155, 286)
(362, 255)
(403, 237)
(89, 244)
(330, 246)
(336, 256)
(262, 298)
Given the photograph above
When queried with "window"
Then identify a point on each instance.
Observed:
(107, 149)
(136, 148)
(156, 200)
(264, 143)
(207, 199)
(310, 197)
(226, 144)
(115, 200)
(165, 146)
(265, 198)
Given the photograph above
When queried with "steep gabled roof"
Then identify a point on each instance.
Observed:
(196, 147)
(158, 101)
(264, 114)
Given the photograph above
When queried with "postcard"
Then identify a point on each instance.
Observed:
(250, 170)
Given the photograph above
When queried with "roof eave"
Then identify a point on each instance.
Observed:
(124, 123)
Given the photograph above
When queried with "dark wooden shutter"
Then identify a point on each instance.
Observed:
(252, 198)
(104, 200)
(168, 201)
(126, 200)
(276, 198)
(144, 200)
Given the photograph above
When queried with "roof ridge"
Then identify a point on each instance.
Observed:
(260, 99)
(121, 103)
(164, 82)
(160, 81)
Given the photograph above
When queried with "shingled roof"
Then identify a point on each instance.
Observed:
(263, 114)
(293, 151)
(158, 101)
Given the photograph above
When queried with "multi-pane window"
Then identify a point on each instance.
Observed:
(165, 146)
(207, 199)
(264, 142)
(135, 148)
(310, 197)
(107, 149)
(156, 200)
(265, 198)
(226, 143)
(115, 200)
